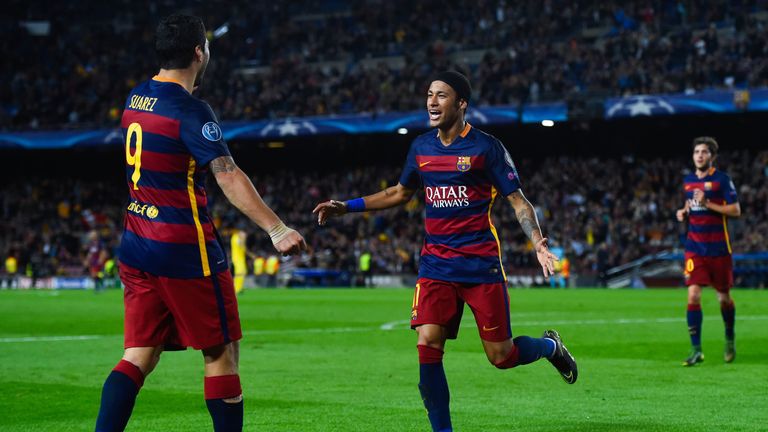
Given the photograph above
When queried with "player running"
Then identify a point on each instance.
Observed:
(710, 199)
(462, 170)
(178, 288)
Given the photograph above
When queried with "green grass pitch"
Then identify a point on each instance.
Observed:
(345, 360)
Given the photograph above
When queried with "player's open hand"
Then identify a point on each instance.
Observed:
(681, 214)
(291, 244)
(546, 258)
(329, 209)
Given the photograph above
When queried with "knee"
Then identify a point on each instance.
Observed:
(497, 355)
(222, 359)
(145, 359)
(694, 295)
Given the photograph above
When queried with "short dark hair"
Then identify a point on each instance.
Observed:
(176, 38)
(709, 141)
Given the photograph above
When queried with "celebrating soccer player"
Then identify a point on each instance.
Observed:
(710, 200)
(178, 288)
(462, 170)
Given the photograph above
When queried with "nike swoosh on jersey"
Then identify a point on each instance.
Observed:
(424, 163)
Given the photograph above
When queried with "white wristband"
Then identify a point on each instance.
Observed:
(279, 232)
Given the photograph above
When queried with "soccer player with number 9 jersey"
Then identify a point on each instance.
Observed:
(178, 288)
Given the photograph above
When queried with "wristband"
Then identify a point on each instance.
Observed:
(279, 232)
(355, 205)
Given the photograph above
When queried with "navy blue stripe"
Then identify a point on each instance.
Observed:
(706, 228)
(160, 143)
(173, 215)
(476, 208)
(461, 239)
(220, 305)
(461, 269)
(174, 260)
(506, 306)
(165, 180)
(442, 178)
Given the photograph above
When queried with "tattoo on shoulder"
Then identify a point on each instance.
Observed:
(223, 164)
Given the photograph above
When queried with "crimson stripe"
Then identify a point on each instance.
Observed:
(436, 226)
(714, 186)
(707, 237)
(178, 198)
(490, 248)
(706, 219)
(447, 163)
(152, 123)
(474, 193)
(166, 232)
(164, 162)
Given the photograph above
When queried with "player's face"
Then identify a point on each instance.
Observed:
(206, 56)
(702, 157)
(443, 105)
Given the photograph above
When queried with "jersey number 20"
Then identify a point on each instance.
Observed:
(135, 158)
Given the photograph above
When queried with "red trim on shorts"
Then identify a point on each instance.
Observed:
(222, 387)
(131, 370)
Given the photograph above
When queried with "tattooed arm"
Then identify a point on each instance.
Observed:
(526, 216)
(242, 194)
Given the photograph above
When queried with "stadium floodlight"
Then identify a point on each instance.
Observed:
(221, 31)
(402, 131)
(547, 123)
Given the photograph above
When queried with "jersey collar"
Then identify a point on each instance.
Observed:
(167, 80)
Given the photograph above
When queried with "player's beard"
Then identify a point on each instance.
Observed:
(200, 74)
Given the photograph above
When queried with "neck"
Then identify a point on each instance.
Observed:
(703, 172)
(449, 134)
(184, 77)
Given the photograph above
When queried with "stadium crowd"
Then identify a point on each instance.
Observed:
(602, 212)
(313, 57)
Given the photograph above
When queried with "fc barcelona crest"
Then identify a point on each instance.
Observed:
(707, 185)
(464, 163)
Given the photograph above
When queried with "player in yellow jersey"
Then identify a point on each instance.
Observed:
(239, 261)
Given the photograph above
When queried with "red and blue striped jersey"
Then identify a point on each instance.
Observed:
(460, 183)
(707, 229)
(170, 137)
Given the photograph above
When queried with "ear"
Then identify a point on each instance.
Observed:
(463, 104)
(199, 54)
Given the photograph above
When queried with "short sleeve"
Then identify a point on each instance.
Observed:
(410, 177)
(729, 191)
(501, 169)
(202, 135)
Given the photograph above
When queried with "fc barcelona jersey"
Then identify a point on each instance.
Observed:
(460, 184)
(707, 229)
(170, 137)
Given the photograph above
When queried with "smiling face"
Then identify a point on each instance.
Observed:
(702, 157)
(444, 106)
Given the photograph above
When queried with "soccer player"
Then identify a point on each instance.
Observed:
(238, 250)
(462, 170)
(178, 288)
(710, 200)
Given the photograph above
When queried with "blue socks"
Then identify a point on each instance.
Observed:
(434, 388)
(118, 397)
(695, 317)
(227, 417)
(729, 319)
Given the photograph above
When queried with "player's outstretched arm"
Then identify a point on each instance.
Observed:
(731, 210)
(526, 216)
(242, 194)
(392, 196)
